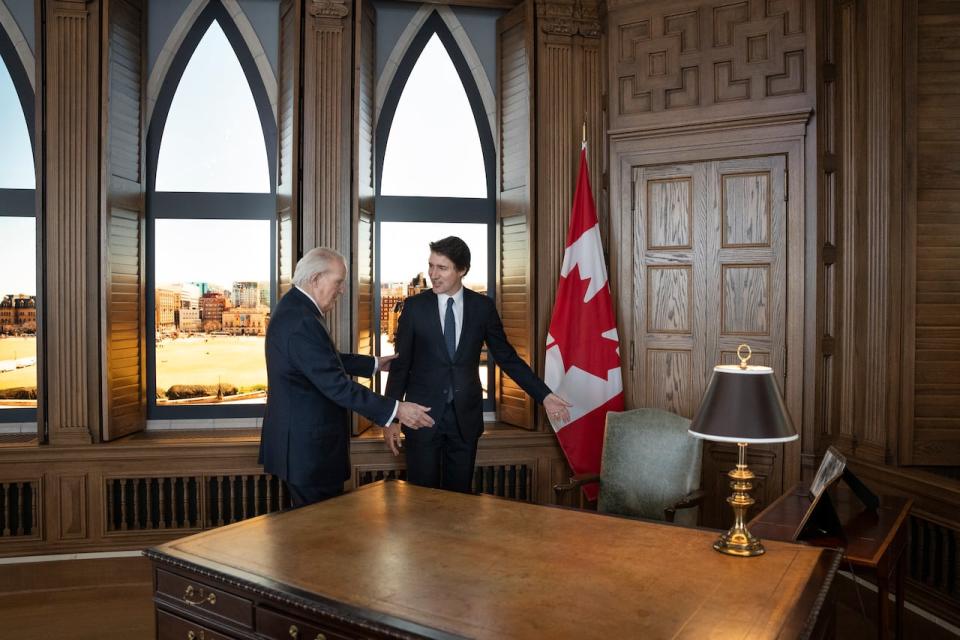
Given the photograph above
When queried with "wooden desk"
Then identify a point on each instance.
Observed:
(874, 540)
(395, 560)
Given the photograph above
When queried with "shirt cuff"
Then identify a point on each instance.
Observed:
(393, 415)
(376, 366)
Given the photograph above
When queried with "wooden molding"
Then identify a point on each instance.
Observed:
(329, 8)
(569, 18)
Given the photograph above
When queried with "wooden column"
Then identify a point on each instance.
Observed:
(71, 50)
(569, 91)
(860, 232)
(326, 139)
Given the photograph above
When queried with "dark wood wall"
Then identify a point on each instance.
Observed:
(711, 121)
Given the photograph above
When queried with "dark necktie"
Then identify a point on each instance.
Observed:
(450, 329)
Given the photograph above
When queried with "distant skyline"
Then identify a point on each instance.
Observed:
(18, 256)
(405, 249)
(218, 252)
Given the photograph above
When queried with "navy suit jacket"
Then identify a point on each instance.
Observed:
(423, 369)
(306, 426)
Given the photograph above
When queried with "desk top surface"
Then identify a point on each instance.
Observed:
(868, 533)
(485, 567)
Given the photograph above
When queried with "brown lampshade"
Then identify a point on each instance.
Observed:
(743, 404)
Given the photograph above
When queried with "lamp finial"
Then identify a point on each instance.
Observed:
(743, 360)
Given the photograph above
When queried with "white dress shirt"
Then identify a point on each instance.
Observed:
(376, 360)
(457, 311)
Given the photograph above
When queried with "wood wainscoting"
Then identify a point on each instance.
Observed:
(933, 580)
(157, 486)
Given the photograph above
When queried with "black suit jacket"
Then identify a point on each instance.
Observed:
(423, 368)
(306, 427)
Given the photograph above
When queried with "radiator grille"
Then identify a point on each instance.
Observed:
(513, 481)
(933, 557)
(238, 497)
(18, 509)
(190, 502)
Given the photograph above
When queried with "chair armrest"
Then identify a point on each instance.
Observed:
(692, 499)
(576, 482)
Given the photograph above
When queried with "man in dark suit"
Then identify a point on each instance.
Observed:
(439, 339)
(306, 426)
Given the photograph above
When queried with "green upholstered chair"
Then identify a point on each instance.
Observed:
(650, 468)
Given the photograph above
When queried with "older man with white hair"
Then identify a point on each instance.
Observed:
(306, 427)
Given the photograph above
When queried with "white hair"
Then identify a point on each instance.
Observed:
(315, 262)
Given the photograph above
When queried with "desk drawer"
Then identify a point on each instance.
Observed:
(279, 626)
(206, 600)
(171, 627)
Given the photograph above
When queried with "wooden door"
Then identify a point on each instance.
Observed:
(710, 257)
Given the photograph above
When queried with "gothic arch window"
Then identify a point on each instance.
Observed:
(18, 257)
(211, 206)
(435, 175)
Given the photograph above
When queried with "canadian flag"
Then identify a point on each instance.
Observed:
(583, 348)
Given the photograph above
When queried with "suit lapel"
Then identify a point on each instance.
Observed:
(469, 319)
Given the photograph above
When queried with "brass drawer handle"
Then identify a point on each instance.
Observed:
(189, 598)
(192, 636)
(295, 633)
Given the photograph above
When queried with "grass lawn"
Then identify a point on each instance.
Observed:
(229, 360)
(17, 347)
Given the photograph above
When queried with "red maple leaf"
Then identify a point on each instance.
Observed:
(577, 327)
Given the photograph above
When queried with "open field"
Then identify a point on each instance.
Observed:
(229, 360)
(16, 348)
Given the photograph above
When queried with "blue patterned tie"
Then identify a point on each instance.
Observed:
(450, 329)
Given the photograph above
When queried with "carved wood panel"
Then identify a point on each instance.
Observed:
(709, 273)
(673, 56)
(70, 194)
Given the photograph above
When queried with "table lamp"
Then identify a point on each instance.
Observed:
(742, 405)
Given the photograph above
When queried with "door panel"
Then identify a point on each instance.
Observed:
(709, 274)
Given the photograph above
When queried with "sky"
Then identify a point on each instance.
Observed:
(213, 138)
(405, 249)
(213, 251)
(433, 148)
(16, 156)
(18, 256)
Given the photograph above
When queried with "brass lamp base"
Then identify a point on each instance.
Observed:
(738, 541)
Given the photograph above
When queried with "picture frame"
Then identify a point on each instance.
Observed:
(821, 517)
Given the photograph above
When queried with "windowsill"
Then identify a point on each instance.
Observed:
(18, 427)
(209, 424)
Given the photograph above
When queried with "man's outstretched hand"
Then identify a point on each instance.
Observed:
(383, 362)
(414, 415)
(557, 408)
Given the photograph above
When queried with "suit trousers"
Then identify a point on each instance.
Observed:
(302, 496)
(439, 457)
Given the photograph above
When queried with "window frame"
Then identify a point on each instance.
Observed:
(22, 203)
(224, 206)
(437, 209)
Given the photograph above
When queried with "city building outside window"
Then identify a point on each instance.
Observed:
(211, 208)
(18, 255)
